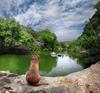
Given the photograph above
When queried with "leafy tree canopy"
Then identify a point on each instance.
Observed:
(13, 36)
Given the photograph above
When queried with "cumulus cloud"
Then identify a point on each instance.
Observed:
(66, 18)
(10, 8)
(67, 35)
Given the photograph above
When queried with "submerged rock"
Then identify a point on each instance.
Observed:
(85, 81)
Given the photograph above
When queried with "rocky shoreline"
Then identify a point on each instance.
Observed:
(85, 81)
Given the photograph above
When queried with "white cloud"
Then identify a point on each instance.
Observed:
(58, 15)
(67, 34)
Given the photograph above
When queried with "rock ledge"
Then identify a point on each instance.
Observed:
(85, 81)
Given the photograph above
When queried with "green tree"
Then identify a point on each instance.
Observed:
(48, 39)
(13, 36)
(98, 6)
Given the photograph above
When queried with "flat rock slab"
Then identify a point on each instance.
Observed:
(85, 81)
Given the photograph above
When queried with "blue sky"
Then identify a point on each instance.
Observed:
(66, 18)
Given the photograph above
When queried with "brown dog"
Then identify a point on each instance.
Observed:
(33, 76)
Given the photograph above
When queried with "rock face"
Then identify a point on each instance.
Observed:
(85, 81)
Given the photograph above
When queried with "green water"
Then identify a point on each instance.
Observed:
(14, 63)
(49, 66)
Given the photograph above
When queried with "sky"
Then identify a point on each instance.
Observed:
(66, 18)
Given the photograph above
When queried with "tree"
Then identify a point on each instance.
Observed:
(13, 36)
(48, 39)
(98, 6)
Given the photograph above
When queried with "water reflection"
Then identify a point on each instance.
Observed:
(64, 66)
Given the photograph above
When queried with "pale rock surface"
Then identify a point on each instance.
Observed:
(85, 81)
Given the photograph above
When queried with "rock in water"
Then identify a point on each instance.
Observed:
(33, 76)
